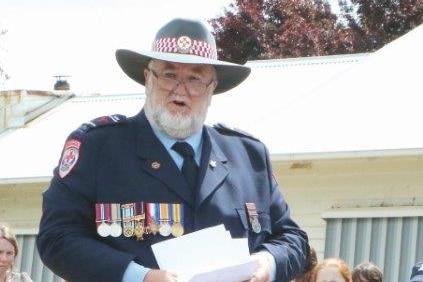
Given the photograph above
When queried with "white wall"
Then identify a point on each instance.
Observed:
(314, 187)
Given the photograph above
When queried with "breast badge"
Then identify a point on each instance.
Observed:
(253, 217)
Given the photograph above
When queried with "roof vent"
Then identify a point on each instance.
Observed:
(61, 83)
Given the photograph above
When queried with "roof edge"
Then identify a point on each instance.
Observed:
(23, 180)
(347, 154)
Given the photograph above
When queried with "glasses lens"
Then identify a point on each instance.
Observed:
(167, 83)
(195, 87)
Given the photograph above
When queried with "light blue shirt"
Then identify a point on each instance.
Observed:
(134, 272)
(194, 140)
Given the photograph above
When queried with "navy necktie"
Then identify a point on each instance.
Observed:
(189, 166)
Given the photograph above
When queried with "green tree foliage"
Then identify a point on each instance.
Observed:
(268, 29)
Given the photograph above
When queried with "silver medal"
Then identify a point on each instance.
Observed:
(255, 224)
(165, 229)
(103, 229)
(115, 229)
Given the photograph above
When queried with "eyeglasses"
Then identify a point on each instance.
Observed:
(193, 87)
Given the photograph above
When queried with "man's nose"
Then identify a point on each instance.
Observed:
(181, 86)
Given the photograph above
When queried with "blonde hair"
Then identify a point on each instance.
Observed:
(6, 233)
(342, 266)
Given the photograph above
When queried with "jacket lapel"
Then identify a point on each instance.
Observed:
(213, 168)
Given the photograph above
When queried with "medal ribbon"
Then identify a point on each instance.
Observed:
(139, 210)
(251, 210)
(99, 213)
(164, 212)
(115, 210)
(102, 210)
(177, 211)
(157, 211)
(150, 213)
(127, 212)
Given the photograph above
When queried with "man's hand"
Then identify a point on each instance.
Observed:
(262, 273)
(156, 275)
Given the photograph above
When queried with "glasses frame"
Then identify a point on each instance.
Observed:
(161, 81)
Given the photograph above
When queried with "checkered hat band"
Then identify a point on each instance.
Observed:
(194, 47)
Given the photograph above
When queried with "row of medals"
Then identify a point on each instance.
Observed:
(139, 219)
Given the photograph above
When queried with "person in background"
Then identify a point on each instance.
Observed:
(417, 272)
(311, 263)
(367, 272)
(8, 252)
(125, 183)
(332, 270)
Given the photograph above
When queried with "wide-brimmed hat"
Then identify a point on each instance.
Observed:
(183, 41)
(417, 272)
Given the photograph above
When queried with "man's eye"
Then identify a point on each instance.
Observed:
(194, 79)
(169, 75)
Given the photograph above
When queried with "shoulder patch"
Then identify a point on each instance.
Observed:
(101, 121)
(224, 129)
(69, 157)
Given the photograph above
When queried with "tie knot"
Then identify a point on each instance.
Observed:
(184, 149)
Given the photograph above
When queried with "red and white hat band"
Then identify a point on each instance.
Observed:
(185, 45)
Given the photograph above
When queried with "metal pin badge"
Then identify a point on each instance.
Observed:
(212, 164)
(155, 165)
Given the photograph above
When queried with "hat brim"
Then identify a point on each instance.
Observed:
(133, 64)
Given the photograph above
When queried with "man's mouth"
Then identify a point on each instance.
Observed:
(179, 103)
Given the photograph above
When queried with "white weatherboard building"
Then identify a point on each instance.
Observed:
(343, 133)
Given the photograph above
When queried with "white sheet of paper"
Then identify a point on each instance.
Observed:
(241, 271)
(209, 254)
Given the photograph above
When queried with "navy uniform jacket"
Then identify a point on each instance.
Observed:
(117, 163)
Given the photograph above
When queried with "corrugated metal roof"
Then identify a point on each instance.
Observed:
(374, 104)
(308, 105)
(274, 85)
(33, 151)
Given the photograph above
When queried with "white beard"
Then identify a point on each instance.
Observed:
(174, 125)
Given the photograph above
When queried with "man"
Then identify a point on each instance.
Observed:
(122, 183)
(417, 272)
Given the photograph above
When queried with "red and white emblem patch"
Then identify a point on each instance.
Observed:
(69, 157)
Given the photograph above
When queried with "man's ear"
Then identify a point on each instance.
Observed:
(214, 84)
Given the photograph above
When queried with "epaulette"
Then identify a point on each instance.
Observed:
(222, 128)
(101, 121)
